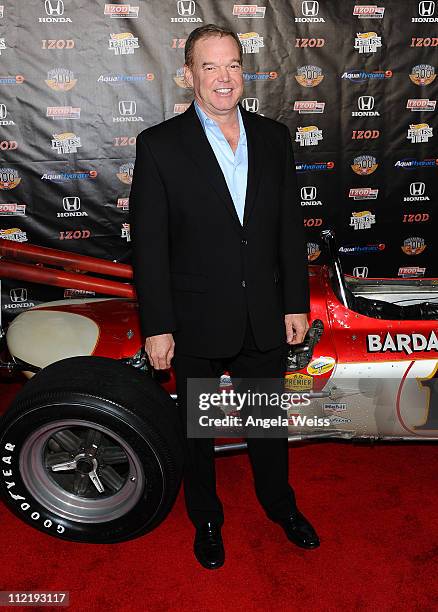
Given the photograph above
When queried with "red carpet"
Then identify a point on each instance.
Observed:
(375, 507)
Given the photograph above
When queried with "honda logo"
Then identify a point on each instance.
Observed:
(426, 8)
(360, 272)
(186, 8)
(127, 107)
(308, 193)
(54, 7)
(18, 295)
(417, 189)
(251, 104)
(310, 8)
(71, 203)
(365, 103)
(3, 111)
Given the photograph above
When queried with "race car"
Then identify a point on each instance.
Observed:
(92, 446)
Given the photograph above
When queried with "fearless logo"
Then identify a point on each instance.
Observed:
(308, 106)
(422, 74)
(309, 135)
(123, 43)
(126, 232)
(360, 76)
(251, 42)
(61, 79)
(2, 45)
(364, 165)
(14, 233)
(125, 173)
(67, 142)
(413, 245)
(367, 42)
(419, 132)
(402, 343)
(362, 220)
(309, 76)
(9, 178)
(121, 11)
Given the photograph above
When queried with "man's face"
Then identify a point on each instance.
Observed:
(216, 74)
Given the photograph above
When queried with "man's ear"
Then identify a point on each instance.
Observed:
(188, 76)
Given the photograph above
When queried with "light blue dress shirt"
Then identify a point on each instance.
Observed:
(233, 165)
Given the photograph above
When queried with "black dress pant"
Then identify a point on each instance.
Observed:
(268, 456)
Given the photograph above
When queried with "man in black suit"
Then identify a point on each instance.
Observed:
(220, 266)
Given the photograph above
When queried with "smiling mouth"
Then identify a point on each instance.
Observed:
(224, 91)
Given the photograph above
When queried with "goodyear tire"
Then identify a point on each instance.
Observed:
(91, 451)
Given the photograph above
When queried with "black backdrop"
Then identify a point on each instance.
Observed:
(355, 82)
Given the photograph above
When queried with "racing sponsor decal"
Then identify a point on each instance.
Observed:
(309, 75)
(73, 293)
(125, 173)
(180, 80)
(64, 112)
(127, 112)
(364, 165)
(309, 12)
(8, 145)
(367, 42)
(409, 163)
(302, 43)
(408, 271)
(309, 196)
(113, 79)
(2, 45)
(309, 135)
(121, 11)
(417, 191)
(414, 245)
(249, 11)
(9, 178)
(419, 132)
(72, 207)
(402, 343)
(314, 167)
(415, 217)
(18, 299)
(321, 365)
(61, 79)
(424, 42)
(178, 43)
(14, 233)
(365, 134)
(12, 209)
(362, 220)
(124, 141)
(251, 42)
(180, 107)
(18, 79)
(78, 234)
(123, 203)
(62, 177)
(312, 222)
(334, 407)
(308, 106)
(369, 11)
(67, 142)
(1, 11)
(186, 12)
(313, 251)
(61, 43)
(420, 104)
(298, 382)
(426, 12)
(360, 271)
(4, 121)
(363, 193)
(365, 105)
(362, 248)
(7, 473)
(252, 105)
(260, 76)
(126, 232)
(123, 43)
(422, 74)
(360, 76)
(54, 12)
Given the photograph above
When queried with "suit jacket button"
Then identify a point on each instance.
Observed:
(243, 284)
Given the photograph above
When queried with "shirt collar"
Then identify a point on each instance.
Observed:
(207, 121)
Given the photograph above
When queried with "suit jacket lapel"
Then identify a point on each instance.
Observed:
(198, 148)
(255, 159)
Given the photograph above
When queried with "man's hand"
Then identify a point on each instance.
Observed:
(296, 327)
(160, 350)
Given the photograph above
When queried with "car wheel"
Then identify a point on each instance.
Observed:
(91, 451)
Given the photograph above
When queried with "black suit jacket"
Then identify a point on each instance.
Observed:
(197, 270)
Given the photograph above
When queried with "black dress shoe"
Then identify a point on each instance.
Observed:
(299, 531)
(208, 546)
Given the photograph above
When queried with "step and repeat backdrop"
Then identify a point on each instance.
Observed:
(355, 82)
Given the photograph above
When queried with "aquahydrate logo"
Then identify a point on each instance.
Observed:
(360, 76)
(186, 12)
(362, 248)
(365, 105)
(249, 11)
(54, 12)
(309, 12)
(113, 79)
(314, 167)
(260, 76)
(426, 12)
(18, 79)
(62, 177)
(127, 112)
(409, 163)
(421, 104)
(121, 11)
(4, 121)
(308, 106)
